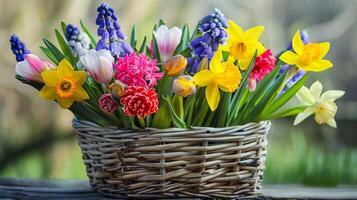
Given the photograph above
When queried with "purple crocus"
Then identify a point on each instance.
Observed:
(112, 38)
(18, 48)
(213, 32)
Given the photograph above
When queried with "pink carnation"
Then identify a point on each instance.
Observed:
(107, 104)
(137, 70)
(264, 64)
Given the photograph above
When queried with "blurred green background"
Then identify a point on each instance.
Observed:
(36, 138)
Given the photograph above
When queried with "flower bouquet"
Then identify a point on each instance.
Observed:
(180, 113)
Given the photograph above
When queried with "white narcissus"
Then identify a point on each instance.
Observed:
(323, 106)
(167, 40)
(32, 67)
(99, 64)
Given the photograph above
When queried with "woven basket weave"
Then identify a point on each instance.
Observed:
(154, 163)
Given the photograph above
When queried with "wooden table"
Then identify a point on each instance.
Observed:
(31, 189)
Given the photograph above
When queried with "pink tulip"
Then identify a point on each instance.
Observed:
(167, 40)
(32, 67)
(99, 64)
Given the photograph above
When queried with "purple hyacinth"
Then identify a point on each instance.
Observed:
(304, 37)
(112, 38)
(213, 32)
(18, 48)
(78, 42)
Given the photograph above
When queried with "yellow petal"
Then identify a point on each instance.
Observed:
(48, 93)
(65, 103)
(298, 45)
(50, 78)
(254, 33)
(215, 64)
(79, 77)
(325, 47)
(230, 79)
(212, 96)
(244, 63)
(203, 78)
(331, 122)
(64, 68)
(80, 94)
(289, 57)
(234, 30)
(303, 115)
(317, 66)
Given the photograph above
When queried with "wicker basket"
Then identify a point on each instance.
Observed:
(154, 163)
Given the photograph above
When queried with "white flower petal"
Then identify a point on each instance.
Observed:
(332, 95)
(332, 123)
(316, 89)
(303, 115)
(304, 96)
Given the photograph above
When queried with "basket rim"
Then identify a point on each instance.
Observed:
(163, 130)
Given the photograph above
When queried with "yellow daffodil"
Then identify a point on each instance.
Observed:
(308, 57)
(64, 85)
(221, 75)
(323, 106)
(242, 44)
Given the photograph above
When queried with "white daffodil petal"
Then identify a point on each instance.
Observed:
(316, 89)
(332, 95)
(303, 115)
(304, 96)
(332, 123)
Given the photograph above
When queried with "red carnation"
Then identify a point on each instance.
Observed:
(264, 64)
(139, 101)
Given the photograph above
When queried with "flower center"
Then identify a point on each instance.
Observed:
(239, 49)
(324, 112)
(311, 52)
(65, 87)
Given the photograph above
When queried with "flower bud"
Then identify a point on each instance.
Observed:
(32, 67)
(117, 89)
(184, 86)
(175, 65)
(107, 104)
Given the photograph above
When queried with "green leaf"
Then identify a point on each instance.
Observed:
(35, 84)
(177, 103)
(224, 109)
(285, 97)
(175, 119)
(189, 106)
(49, 54)
(162, 117)
(64, 27)
(238, 94)
(185, 37)
(53, 49)
(143, 45)
(65, 49)
(86, 30)
(285, 113)
(161, 22)
(133, 39)
(156, 50)
(201, 115)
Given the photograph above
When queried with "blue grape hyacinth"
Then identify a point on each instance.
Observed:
(112, 38)
(18, 48)
(304, 37)
(78, 42)
(213, 32)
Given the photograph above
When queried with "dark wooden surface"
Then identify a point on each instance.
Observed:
(29, 189)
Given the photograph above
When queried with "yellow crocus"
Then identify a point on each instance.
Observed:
(318, 103)
(308, 57)
(64, 85)
(242, 44)
(221, 75)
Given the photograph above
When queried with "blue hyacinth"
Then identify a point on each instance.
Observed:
(18, 48)
(213, 32)
(78, 42)
(112, 38)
